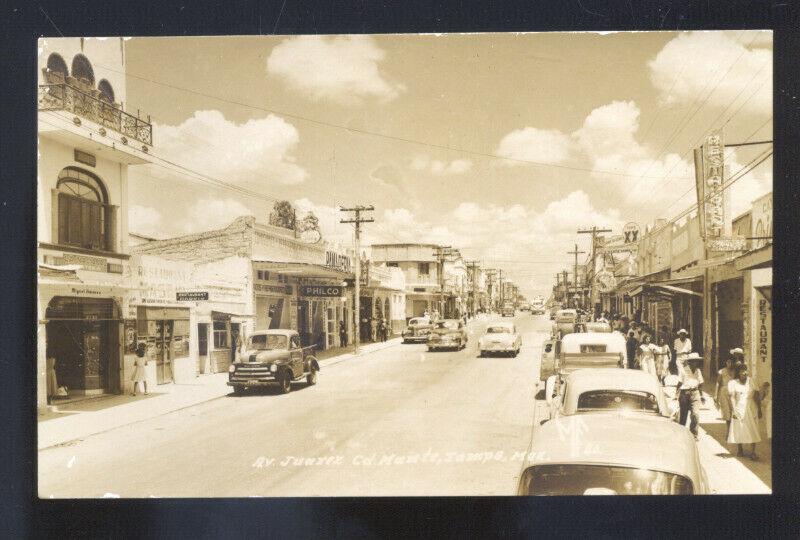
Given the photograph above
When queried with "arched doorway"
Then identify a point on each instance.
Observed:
(82, 69)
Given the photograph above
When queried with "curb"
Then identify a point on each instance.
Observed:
(347, 356)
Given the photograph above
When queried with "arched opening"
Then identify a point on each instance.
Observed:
(82, 69)
(106, 91)
(56, 68)
(83, 212)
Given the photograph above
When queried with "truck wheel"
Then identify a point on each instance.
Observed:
(239, 390)
(285, 383)
(311, 378)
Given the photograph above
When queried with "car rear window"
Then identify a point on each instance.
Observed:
(601, 480)
(593, 347)
(617, 399)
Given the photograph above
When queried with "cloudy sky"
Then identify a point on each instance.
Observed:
(500, 144)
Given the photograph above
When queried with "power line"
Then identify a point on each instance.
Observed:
(373, 133)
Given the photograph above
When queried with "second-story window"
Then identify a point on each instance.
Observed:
(424, 269)
(82, 210)
(393, 264)
(106, 91)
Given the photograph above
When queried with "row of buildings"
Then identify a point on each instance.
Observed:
(682, 274)
(191, 300)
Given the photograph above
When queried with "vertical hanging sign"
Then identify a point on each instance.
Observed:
(712, 200)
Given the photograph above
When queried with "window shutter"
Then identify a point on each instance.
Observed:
(56, 225)
(110, 231)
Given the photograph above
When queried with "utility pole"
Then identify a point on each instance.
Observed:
(357, 221)
(473, 267)
(441, 253)
(576, 253)
(502, 291)
(593, 231)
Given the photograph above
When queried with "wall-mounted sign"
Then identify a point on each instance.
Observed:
(277, 289)
(336, 261)
(630, 232)
(328, 291)
(85, 157)
(191, 296)
(727, 243)
(365, 273)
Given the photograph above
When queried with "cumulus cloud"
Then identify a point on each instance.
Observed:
(258, 151)
(209, 214)
(340, 68)
(692, 64)
(145, 220)
(434, 166)
(532, 144)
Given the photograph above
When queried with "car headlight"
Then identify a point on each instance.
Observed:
(231, 368)
(273, 368)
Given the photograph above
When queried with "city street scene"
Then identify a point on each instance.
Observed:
(405, 265)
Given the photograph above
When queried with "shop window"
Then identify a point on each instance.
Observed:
(424, 268)
(83, 211)
(220, 335)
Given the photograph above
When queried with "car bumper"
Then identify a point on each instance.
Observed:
(446, 345)
(489, 349)
(252, 382)
(415, 339)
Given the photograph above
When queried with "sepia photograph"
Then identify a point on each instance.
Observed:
(456, 264)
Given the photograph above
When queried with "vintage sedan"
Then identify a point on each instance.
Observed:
(273, 357)
(448, 334)
(582, 350)
(508, 311)
(596, 326)
(500, 338)
(593, 390)
(613, 454)
(564, 323)
(418, 330)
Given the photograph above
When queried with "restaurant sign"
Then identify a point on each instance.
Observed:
(191, 296)
(327, 291)
(712, 199)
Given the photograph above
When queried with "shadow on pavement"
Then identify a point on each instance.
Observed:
(761, 468)
(96, 404)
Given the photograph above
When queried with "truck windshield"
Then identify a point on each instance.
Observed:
(601, 480)
(266, 342)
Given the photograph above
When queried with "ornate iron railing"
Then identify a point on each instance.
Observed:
(64, 97)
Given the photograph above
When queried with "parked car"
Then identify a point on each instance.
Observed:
(273, 357)
(508, 311)
(447, 334)
(564, 323)
(417, 330)
(613, 454)
(500, 338)
(593, 390)
(537, 310)
(596, 327)
(582, 350)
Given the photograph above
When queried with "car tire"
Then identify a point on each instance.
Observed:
(311, 378)
(239, 390)
(285, 382)
(481, 354)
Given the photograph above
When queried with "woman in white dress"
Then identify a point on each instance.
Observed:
(663, 359)
(139, 374)
(721, 398)
(744, 427)
(647, 358)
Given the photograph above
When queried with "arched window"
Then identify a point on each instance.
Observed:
(56, 64)
(82, 210)
(106, 92)
(82, 69)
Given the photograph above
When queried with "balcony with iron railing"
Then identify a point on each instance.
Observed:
(85, 102)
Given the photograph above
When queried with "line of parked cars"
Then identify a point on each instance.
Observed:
(608, 429)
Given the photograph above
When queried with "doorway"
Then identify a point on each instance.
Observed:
(164, 351)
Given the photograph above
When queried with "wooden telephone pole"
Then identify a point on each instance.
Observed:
(473, 268)
(357, 221)
(441, 253)
(576, 253)
(593, 231)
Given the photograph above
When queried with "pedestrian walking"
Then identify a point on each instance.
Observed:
(663, 360)
(690, 392)
(744, 410)
(342, 334)
(139, 374)
(52, 379)
(647, 356)
(721, 397)
(682, 348)
(631, 346)
(384, 330)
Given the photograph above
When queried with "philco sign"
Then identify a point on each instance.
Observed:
(336, 261)
(328, 291)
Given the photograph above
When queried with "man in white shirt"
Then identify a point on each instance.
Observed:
(682, 347)
(690, 392)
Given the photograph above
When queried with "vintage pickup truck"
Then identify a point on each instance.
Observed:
(582, 350)
(273, 357)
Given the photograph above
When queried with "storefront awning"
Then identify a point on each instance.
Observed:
(755, 259)
(667, 291)
(306, 270)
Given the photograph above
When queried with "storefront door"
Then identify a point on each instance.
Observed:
(164, 351)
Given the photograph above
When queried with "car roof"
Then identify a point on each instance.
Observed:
(274, 332)
(584, 338)
(584, 379)
(619, 439)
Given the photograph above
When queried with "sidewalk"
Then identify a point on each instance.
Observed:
(727, 473)
(74, 421)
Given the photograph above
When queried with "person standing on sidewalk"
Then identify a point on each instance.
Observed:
(647, 356)
(663, 359)
(744, 429)
(721, 397)
(631, 346)
(682, 348)
(690, 393)
(342, 334)
(139, 374)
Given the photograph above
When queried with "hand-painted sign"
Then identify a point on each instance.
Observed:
(191, 296)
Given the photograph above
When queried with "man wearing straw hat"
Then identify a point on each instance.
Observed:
(690, 391)
(682, 347)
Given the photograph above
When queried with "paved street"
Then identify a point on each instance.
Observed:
(399, 421)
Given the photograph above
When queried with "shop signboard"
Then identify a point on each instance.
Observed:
(92, 264)
(605, 281)
(712, 199)
(191, 296)
(336, 261)
(277, 289)
(727, 243)
(630, 232)
(764, 324)
(326, 291)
